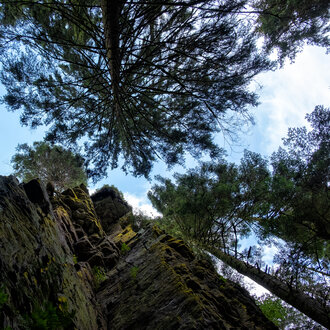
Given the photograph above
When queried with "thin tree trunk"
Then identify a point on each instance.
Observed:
(304, 303)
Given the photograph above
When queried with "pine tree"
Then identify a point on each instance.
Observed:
(287, 24)
(136, 81)
(216, 205)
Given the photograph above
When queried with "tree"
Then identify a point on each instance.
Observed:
(217, 204)
(202, 202)
(308, 305)
(283, 315)
(141, 80)
(287, 24)
(301, 176)
(63, 168)
(208, 217)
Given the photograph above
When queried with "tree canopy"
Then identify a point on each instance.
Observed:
(218, 204)
(287, 24)
(138, 81)
(62, 168)
(301, 176)
(135, 81)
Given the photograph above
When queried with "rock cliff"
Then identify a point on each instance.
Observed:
(73, 262)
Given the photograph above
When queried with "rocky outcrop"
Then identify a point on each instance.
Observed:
(109, 206)
(61, 269)
(159, 284)
(40, 275)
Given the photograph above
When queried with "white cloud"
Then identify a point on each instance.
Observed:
(288, 94)
(268, 254)
(92, 191)
(141, 204)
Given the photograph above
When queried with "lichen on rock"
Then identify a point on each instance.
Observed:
(172, 289)
(37, 261)
(63, 255)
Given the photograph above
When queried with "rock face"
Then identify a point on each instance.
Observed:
(64, 265)
(109, 206)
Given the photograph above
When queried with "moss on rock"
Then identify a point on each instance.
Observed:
(49, 249)
(172, 290)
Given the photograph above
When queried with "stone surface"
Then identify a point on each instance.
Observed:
(37, 262)
(110, 207)
(55, 251)
(159, 284)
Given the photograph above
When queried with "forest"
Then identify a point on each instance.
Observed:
(128, 83)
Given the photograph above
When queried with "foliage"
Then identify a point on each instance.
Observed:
(134, 271)
(134, 83)
(99, 276)
(287, 24)
(273, 309)
(50, 163)
(49, 317)
(124, 249)
(300, 185)
(211, 202)
(217, 204)
(112, 187)
(3, 296)
(222, 279)
(283, 315)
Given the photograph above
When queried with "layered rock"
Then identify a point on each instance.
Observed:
(39, 270)
(69, 266)
(159, 284)
(109, 206)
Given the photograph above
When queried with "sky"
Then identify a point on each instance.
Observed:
(285, 96)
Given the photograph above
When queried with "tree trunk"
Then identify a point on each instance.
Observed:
(304, 303)
(111, 10)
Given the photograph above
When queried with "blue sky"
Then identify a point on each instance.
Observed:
(286, 96)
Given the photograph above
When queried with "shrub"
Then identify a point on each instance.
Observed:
(124, 249)
(49, 317)
(134, 271)
(99, 275)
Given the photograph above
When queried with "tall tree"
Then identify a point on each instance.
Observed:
(215, 212)
(204, 203)
(300, 185)
(54, 164)
(283, 315)
(217, 204)
(287, 24)
(310, 306)
(141, 80)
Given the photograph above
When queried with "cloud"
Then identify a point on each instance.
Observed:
(287, 95)
(268, 254)
(92, 191)
(141, 204)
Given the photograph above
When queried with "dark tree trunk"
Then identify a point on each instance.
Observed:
(111, 10)
(304, 303)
